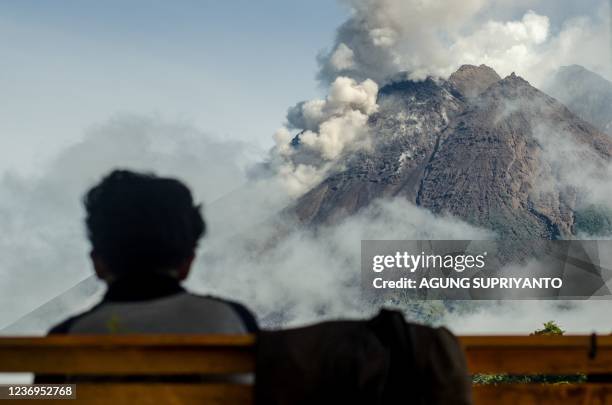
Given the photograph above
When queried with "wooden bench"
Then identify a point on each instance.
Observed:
(222, 355)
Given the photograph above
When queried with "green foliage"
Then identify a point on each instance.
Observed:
(550, 329)
(593, 220)
(496, 379)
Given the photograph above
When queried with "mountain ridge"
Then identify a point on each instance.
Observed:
(471, 146)
(586, 93)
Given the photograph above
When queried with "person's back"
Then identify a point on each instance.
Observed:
(144, 231)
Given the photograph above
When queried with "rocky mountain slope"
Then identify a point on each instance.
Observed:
(473, 146)
(585, 93)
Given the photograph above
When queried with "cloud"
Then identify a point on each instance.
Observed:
(307, 275)
(522, 317)
(434, 38)
(506, 46)
(342, 58)
(389, 36)
(287, 274)
(41, 217)
(382, 38)
(571, 168)
(345, 96)
(327, 129)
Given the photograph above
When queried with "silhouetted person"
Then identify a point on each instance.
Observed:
(144, 231)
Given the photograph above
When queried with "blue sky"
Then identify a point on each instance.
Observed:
(231, 68)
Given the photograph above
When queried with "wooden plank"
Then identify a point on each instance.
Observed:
(537, 354)
(170, 354)
(129, 340)
(603, 341)
(156, 394)
(117, 355)
(542, 394)
(122, 361)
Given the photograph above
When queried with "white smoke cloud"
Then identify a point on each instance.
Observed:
(327, 129)
(581, 177)
(345, 96)
(385, 37)
(342, 58)
(389, 36)
(576, 167)
(310, 275)
(506, 46)
(298, 179)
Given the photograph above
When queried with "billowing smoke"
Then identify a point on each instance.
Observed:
(575, 167)
(580, 175)
(422, 38)
(385, 38)
(327, 129)
(311, 275)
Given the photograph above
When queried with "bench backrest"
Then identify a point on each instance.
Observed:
(225, 355)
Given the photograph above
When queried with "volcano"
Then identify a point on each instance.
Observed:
(475, 146)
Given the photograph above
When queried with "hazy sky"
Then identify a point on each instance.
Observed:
(230, 68)
(186, 71)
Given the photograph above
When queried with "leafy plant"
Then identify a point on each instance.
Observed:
(550, 329)
(593, 220)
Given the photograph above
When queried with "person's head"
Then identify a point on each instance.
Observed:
(140, 224)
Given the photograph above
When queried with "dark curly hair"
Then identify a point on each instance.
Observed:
(140, 223)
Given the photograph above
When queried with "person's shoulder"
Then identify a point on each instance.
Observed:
(245, 314)
(64, 327)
